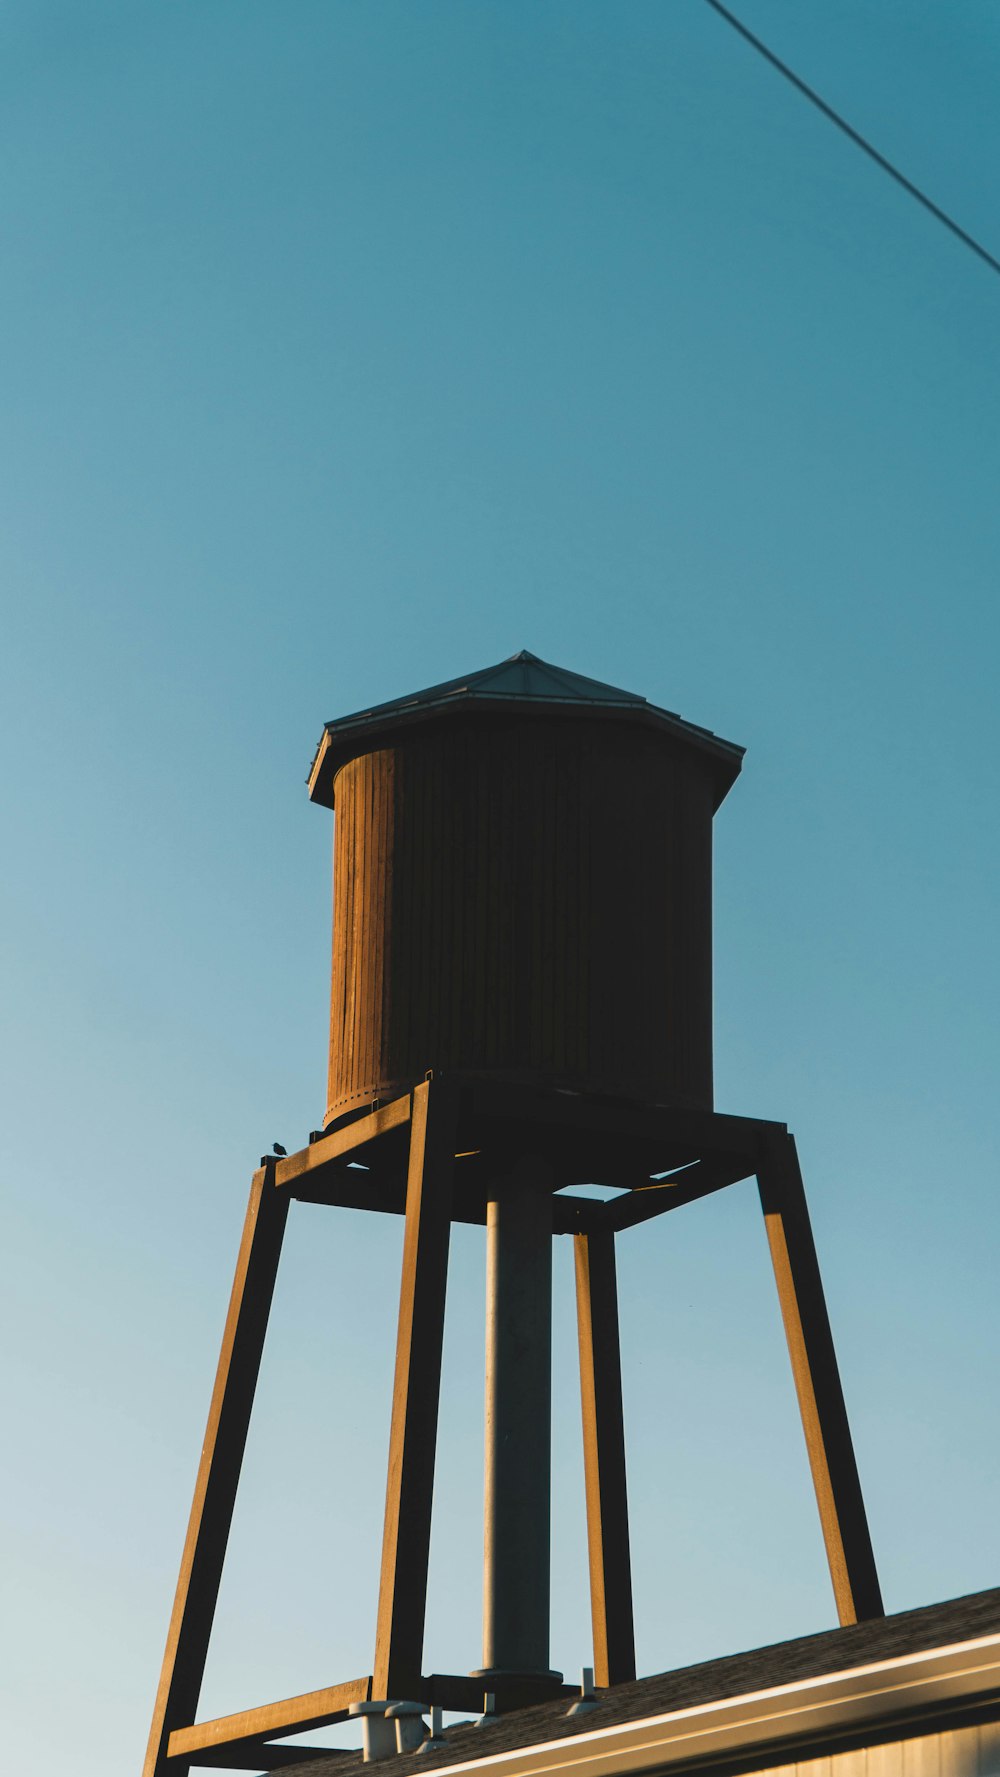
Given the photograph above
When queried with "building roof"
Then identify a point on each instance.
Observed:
(927, 1689)
(524, 681)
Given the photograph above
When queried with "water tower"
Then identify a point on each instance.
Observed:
(521, 1004)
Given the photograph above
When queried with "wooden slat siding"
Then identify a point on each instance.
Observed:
(505, 794)
(356, 997)
(359, 960)
(647, 1201)
(604, 1459)
(338, 1007)
(566, 929)
(476, 1028)
(371, 893)
(411, 951)
(550, 870)
(537, 897)
(431, 952)
(988, 1748)
(554, 910)
(466, 858)
(370, 917)
(389, 901)
(402, 936)
(886, 1760)
(575, 1057)
(343, 903)
(701, 955)
(485, 905)
(416, 1391)
(922, 1757)
(309, 1162)
(379, 923)
(817, 1384)
(219, 1468)
(293, 1715)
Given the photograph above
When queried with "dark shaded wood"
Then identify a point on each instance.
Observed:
(451, 1690)
(817, 1384)
(586, 1138)
(247, 1728)
(350, 1188)
(577, 1215)
(413, 1435)
(261, 1755)
(656, 1198)
(219, 1469)
(527, 893)
(632, 1125)
(604, 1459)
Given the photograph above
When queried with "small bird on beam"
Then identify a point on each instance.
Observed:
(279, 1150)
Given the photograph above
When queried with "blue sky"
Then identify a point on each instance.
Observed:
(347, 347)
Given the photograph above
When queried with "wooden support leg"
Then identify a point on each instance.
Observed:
(817, 1383)
(413, 1436)
(604, 1458)
(218, 1472)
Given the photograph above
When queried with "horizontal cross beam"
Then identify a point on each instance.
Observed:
(609, 1139)
(316, 1158)
(294, 1715)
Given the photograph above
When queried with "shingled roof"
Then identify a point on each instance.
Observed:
(522, 681)
(785, 1663)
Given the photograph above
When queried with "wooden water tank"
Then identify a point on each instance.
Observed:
(522, 888)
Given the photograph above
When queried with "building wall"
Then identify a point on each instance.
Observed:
(964, 1752)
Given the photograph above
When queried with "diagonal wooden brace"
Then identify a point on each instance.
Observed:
(218, 1472)
(604, 1458)
(817, 1383)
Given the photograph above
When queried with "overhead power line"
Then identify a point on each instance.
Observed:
(855, 136)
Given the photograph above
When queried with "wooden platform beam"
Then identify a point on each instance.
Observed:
(311, 1162)
(251, 1727)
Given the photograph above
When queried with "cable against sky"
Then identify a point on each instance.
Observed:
(855, 136)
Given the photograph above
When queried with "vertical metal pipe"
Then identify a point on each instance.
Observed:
(518, 1422)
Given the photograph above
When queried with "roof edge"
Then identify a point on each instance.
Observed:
(803, 1712)
(350, 737)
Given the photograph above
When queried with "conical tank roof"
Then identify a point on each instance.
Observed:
(525, 681)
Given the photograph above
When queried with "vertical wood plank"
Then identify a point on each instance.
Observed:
(922, 1756)
(817, 1384)
(413, 1435)
(218, 1471)
(885, 1760)
(988, 1764)
(960, 1752)
(604, 1458)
